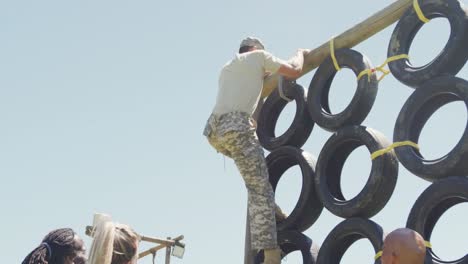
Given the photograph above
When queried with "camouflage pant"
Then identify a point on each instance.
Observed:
(233, 135)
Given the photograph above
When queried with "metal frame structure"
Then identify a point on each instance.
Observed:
(168, 244)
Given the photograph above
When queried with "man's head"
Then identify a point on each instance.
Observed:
(403, 246)
(249, 44)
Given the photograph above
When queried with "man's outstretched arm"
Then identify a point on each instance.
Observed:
(293, 69)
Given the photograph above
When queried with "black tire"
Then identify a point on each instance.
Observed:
(290, 241)
(299, 130)
(432, 204)
(413, 116)
(449, 61)
(345, 234)
(308, 207)
(363, 99)
(382, 179)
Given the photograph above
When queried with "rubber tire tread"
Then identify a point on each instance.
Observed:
(299, 130)
(432, 204)
(345, 234)
(380, 184)
(363, 100)
(308, 207)
(449, 61)
(290, 241)
(414, 114)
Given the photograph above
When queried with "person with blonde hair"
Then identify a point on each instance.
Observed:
(113, 243)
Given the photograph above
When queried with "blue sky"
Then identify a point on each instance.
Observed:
(102, 106)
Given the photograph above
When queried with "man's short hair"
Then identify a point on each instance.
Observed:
(250, 42)
(244, 49)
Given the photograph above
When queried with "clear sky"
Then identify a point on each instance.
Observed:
(102, 106)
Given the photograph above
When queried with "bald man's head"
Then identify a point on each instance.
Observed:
(403, 246)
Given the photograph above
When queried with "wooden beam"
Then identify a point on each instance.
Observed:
(168, 254)
(248, 252)
(170, 242)
(150, 251)
(347, 39)
(163, 243)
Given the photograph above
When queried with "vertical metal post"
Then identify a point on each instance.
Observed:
(248, 253)
(168, 253)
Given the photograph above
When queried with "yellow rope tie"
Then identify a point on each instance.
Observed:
(332, 54)
(379, 254)
(419, 12)
(381, 68)
(381, 152)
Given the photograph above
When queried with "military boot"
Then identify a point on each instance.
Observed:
(272, 256)
(279, 214)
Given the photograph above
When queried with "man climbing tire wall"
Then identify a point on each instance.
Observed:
(231, 130)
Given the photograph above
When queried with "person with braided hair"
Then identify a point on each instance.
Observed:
(60, 246)
(113, 243)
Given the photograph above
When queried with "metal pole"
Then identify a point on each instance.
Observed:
(168, 253)
(248, 254)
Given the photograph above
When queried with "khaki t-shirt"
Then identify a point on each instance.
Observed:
(241, 81)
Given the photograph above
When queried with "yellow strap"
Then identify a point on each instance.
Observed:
(381, 152)
(369, 73)
(419, 12)
(394, 58)
(381, 67)
(427, 244)
(332, 53)
(378, 255)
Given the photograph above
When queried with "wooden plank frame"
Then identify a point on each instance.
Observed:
(163, 243)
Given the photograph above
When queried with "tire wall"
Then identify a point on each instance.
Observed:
(428, 89)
